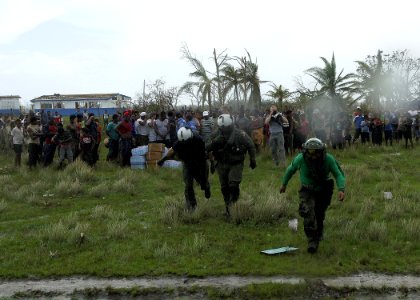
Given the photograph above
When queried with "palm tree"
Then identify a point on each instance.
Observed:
(369, 79)
(279, 93)
(203, 83)
(250, 80)
(330, 83)
(232, 79)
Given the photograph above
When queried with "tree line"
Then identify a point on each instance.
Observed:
(381, 81)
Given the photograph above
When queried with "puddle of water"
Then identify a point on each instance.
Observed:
(66, 286)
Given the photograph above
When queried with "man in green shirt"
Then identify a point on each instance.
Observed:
(315, 165)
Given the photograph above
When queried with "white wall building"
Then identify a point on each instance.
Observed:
(68, 104)
(9, 103)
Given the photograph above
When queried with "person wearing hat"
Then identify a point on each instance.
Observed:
(228, 147)
(142, 130)
(190, 148)
(315, 165)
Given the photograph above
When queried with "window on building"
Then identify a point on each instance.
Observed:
(46, 106)
(93, 104)
(58, 105)
(76, 105)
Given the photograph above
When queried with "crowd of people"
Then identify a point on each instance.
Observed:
(45, 134)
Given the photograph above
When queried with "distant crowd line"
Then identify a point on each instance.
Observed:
(44, 134)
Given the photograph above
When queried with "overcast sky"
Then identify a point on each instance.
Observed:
(89, 46)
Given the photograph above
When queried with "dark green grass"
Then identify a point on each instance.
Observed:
(133, 222)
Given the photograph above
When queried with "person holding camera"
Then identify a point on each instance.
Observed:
(315, 165)
(275, 120)
(228, 147)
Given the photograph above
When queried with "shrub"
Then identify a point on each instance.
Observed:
(78, 170)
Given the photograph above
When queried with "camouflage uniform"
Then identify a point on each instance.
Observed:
(229, 151)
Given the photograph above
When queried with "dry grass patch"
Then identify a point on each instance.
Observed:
(377, 231)
(165, 251)
(123, 186)
(99, 191)
(195, 245)
(67, 187)
(117, 229)
(411, 228)
(67, 230)
(78, 170)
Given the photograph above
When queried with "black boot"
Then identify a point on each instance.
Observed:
(313, 246)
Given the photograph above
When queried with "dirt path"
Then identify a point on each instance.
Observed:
(67, 286)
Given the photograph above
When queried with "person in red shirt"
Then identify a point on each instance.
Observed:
(57, 118)
(124, 128)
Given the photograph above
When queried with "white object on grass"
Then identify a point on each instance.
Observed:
(388, 195)
(293, 224)
(279, 250)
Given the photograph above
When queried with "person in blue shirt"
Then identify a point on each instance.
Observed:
(357, 123)
(180, 121)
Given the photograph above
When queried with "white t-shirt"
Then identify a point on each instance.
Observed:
(17, 135)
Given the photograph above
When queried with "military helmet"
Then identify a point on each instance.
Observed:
(225, 120)
(314, 144)
(184, 134)
(314, 148)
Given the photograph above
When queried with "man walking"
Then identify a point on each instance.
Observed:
(228, 148)
(314, 165)
(191, 150)
(275, 122)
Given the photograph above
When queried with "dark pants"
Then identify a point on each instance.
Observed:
(388, 137)
(199, 173)
(365, 137)
(49, 154)
(230, 177)
(34, 151)
(125, 151)
(112, 150)
(357, 133)
(18, 148)
(312, 207)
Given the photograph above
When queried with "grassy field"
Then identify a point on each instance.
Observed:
(109, 221)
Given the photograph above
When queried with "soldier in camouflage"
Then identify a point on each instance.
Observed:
(229, 147)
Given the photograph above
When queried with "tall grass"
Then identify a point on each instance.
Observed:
(68, 187)
(3, 206)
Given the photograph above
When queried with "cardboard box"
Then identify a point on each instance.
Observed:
(152, 164)
(154, 155)
(156, 147)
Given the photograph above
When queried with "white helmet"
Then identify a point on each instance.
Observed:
(184, 134)
(225, 120)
